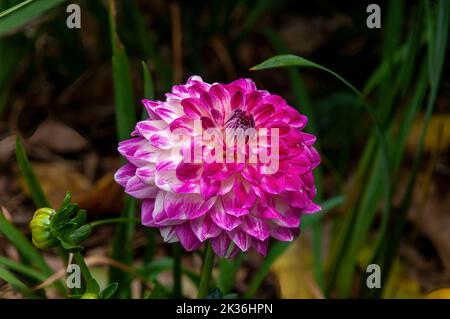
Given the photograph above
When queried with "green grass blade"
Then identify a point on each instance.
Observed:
(227, 275)
(286, 60)
(122, 249)
(15, 282)
(123, 89)
(149, 91)
(23, 245)
(22, 269)
(36, 192)
(24, 12)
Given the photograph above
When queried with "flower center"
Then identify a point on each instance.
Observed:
(238, 119)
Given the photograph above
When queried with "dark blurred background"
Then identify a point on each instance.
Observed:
(56, 92)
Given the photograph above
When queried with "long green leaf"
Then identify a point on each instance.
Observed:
(227, 275)
(36, 192)
(15, 282)
(125, 120)
(22, 244)
(149, 90)
(287, 60)
(23, 269)
(24, 12)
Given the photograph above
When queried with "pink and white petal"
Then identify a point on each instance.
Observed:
(209, 187)
(187, 237)
(311, 208)
(245, 197)
(238, 212)
(150, 106)
(246, 85)
(272, 184)
(168, 159)
(129, 147)
(148, 205)
(256, 227)
(292, 183)
(237, 101)
(288, 218)
(123, 174)
(226, 186)
(222, 97)
(159, 215)
(177, 206)
(240, 238)
(146, 174)
(167, 180)
(298, 199)
(147, 154)
(284, 233)
(222, 219)
(194, 108)
(221, 244)
(268, 212)
(204, 228)
(187, 187)
(187, 206)
(167, 111)
(162, 140)
(187, 171)
(300, 164)
(263, 113)
(260, 246)
(138, 189)
(150, 127)
(183, 125)
(253, 99)
(169, 234)
(214, 107)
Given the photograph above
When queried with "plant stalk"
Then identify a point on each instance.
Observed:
(208, 264)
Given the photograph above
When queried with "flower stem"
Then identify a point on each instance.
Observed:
(83, 267)
(208, 264)
(176, 252)
(114, 220)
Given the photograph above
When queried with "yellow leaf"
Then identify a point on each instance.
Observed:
(439, 294)
(438, 133)
(294, 272)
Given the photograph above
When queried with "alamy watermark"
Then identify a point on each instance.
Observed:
(373, 21)
(73, 20)
(374, 278)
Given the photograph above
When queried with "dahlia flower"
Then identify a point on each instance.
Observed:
(179, 166)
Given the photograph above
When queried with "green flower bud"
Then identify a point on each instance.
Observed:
(89, 295)
(41, 233)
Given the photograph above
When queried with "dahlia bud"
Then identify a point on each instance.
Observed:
(41, 232)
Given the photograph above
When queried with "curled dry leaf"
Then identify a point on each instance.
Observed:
(440, 294)
(105, 197)
(58, 137)
(58, 178)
